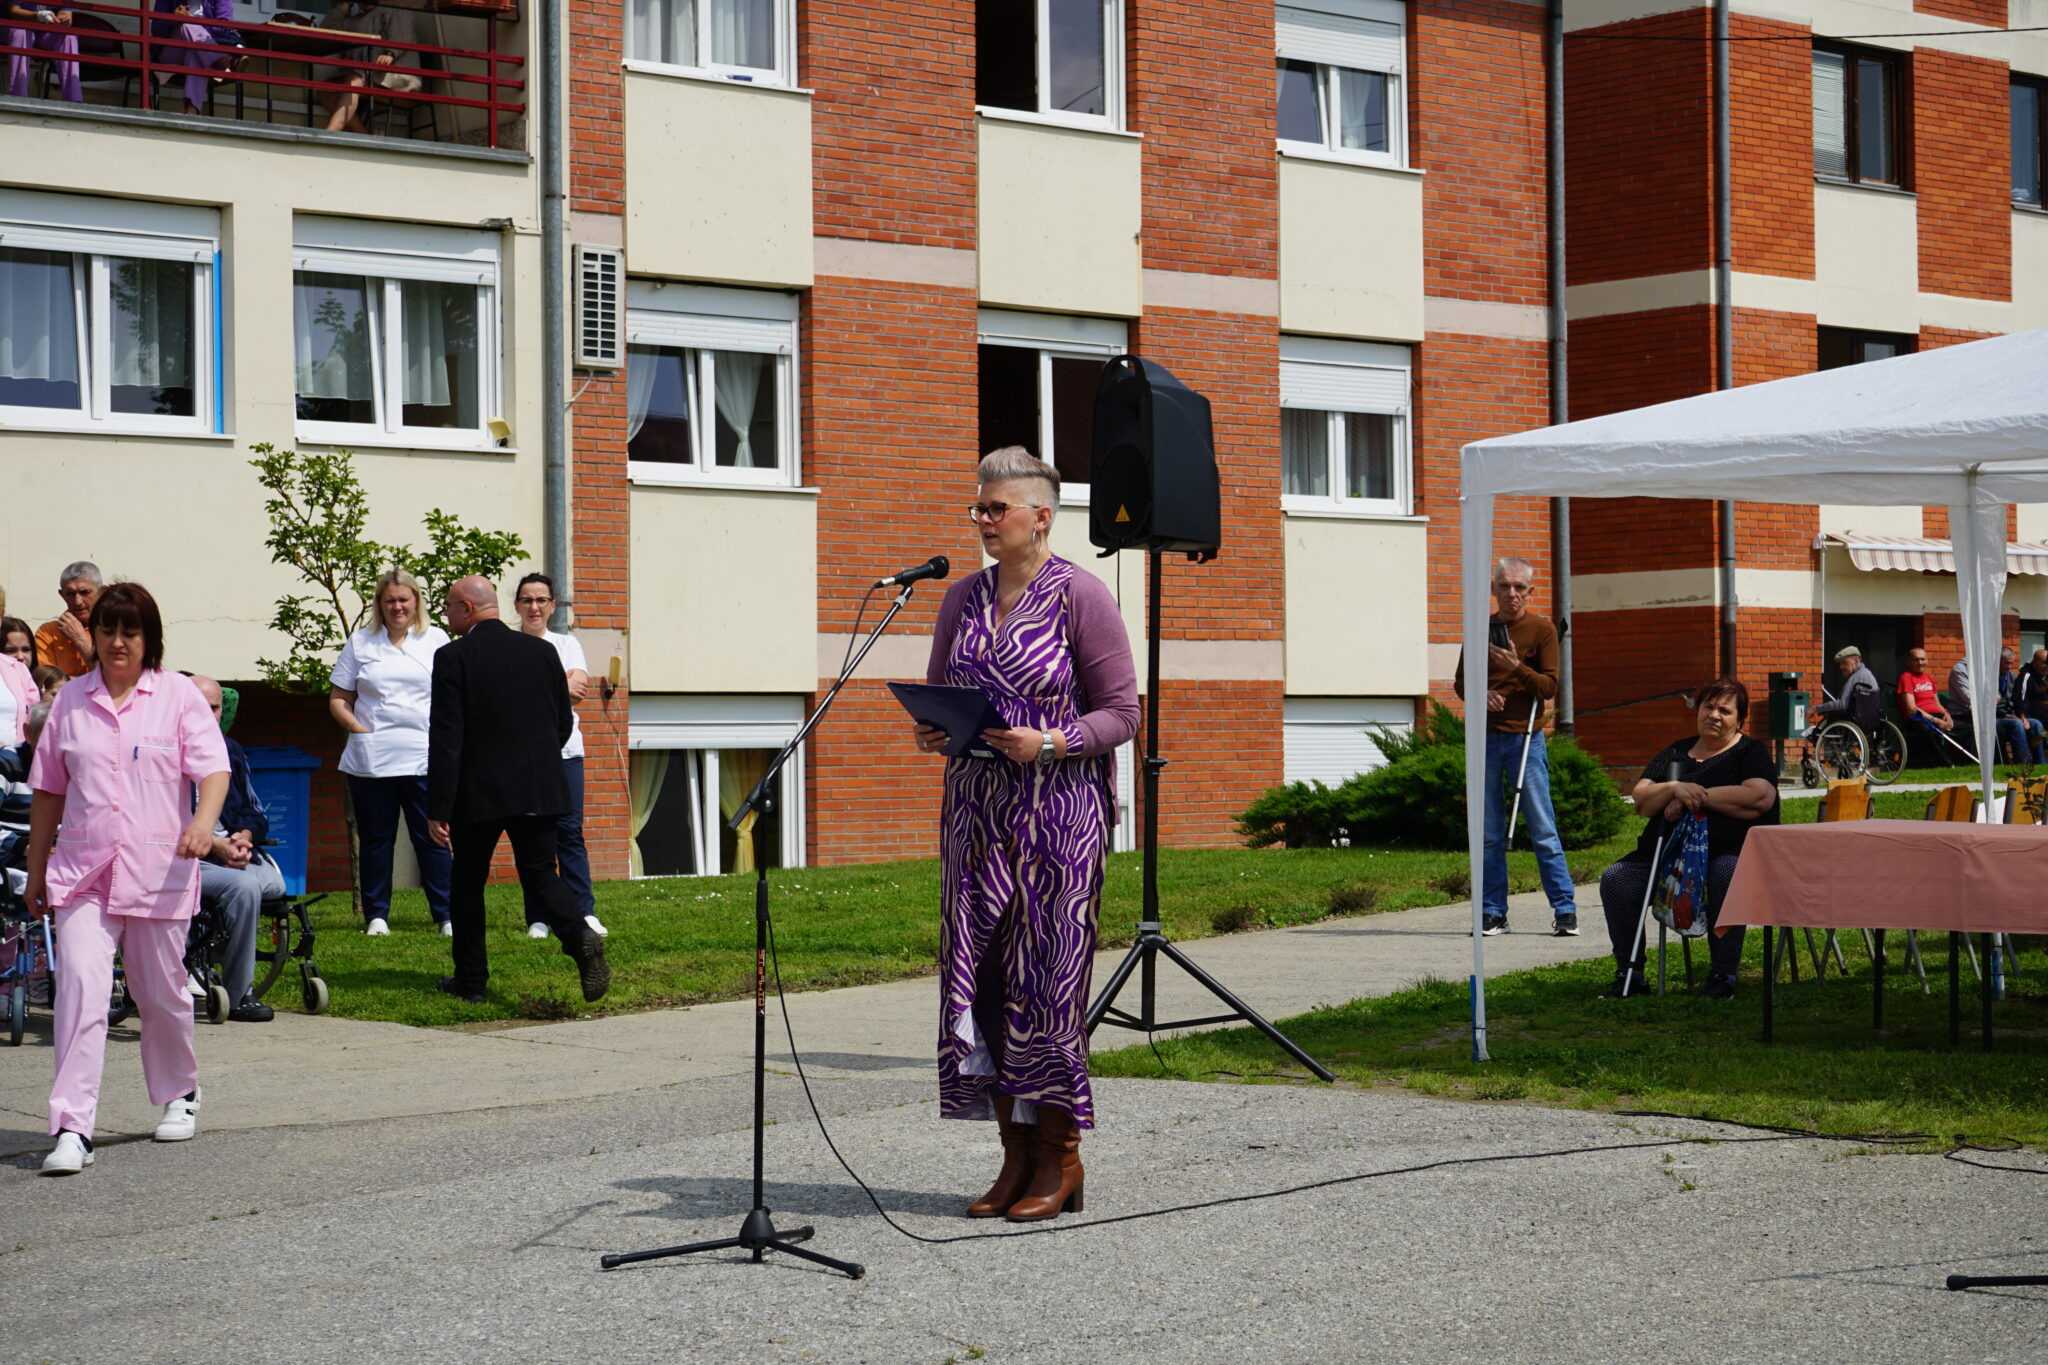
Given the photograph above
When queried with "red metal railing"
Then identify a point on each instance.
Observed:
(154, 55)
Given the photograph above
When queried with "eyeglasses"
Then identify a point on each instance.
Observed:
(995, 511)
(534, 601)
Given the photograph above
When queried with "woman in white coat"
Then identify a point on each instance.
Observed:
(382, 689)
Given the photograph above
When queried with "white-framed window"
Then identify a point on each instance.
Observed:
(693, 759)
(1038, 373)
(1062, 60)
(395, 334)
(1338, 66)
(740, 40)
(1330, 739)
(1344, 439)
(711, 385)
(108, 314)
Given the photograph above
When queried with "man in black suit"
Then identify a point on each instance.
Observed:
(494, 766)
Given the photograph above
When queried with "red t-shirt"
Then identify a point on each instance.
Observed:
(1920, 688)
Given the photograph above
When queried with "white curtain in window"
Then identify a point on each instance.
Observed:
(664, 31)
(38, 316)
(1830, 114)
(743, 33)
(1362, 110)
(333, 337)
(440, 326)
(1305, 449)
(736, 377)
(642, 368)
(150, 331)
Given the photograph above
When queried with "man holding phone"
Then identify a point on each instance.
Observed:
(1521, 675)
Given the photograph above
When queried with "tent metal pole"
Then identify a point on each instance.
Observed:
(1560, 388)
(1724, 314)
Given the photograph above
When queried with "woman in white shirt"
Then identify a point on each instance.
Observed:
(382, 687)
(535, 598)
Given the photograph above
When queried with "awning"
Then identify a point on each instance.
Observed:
(1910, 554)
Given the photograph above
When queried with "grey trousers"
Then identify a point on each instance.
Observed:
(238, 894)
(1621, 896)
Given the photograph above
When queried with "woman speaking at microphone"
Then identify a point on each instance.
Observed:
(1023, 837)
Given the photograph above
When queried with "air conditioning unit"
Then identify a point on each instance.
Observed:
(600, 308)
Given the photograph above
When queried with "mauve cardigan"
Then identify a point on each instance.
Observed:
(1107, 679)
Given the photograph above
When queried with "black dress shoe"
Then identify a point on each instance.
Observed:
(1627, 985)
(461, 992)
(595, 972)
(252, 1011)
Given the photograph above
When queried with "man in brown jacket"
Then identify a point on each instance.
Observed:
(1519, 680)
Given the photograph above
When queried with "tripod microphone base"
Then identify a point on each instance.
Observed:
(757, 1235)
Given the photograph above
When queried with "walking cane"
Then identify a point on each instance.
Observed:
(1528, 738)
(1628, 971)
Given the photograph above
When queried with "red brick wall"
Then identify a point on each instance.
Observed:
(1477, 129)
(1774, 640)
(1223, 744)
(1773, 535)
(892, 121)
(1771, 143)
(1991, 13)
(596, 112)
(1961, 169)
(1200, 82)
(1639, 160)
(1627, 655)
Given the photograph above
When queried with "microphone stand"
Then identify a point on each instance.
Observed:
(758, 1233)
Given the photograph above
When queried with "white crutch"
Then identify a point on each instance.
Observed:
(1635, 944)
(1522, 773)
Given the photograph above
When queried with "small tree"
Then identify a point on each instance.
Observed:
(318, 517)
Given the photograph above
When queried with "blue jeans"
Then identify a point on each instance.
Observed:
(2009, 736)
(379, 802)
(1503, 757)
(570, 854)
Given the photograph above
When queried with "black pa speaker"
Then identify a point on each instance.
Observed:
(1152, 480)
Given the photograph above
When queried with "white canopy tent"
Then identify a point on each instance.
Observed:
(1965, 426)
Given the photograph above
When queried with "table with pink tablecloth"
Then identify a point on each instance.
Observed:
(1892, 874)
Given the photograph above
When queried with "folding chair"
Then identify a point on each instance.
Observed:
(1846, 799)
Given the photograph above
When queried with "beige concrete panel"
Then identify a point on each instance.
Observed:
(1599, 13)
(1059, 217)
(1866, 251)
(1839, 520)
(193, 524)
(1122, 573)
(2029, 270)
(699, 626)
(2033, 522)
(1357, 607)
(718, 181)
(1334, 281)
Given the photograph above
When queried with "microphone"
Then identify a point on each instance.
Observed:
(935, 567)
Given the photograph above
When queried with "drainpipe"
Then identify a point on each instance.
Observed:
(1560, 407)
(554, 290)
(1724, 311)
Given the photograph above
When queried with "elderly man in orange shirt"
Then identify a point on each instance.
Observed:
(65, 642)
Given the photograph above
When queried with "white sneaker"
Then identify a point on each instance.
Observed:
(595, 927)
(377, 929)
(68, 1157)
(447, 929)
(192, 986)
(181, 1120)
(536, 931)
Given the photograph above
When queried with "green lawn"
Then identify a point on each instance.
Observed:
(1554, 1041)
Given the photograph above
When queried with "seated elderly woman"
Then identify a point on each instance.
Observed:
(1722, 774)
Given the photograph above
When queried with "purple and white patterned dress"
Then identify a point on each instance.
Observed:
(1023, 845)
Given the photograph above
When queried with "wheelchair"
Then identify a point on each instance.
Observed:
(283, 938)
(1864, 743)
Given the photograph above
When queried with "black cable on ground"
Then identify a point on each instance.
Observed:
(1955, 1154)
(1767, 1133)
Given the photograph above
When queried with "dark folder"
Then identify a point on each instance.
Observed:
(962, 712)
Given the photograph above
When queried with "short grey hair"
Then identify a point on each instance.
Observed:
(1503, 567)
(81, 568)
(1015, 464)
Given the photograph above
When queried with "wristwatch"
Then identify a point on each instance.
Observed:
(1046, 753)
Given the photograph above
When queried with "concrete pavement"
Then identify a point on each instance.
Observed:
(365, 1192)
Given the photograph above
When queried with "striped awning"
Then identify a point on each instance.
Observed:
(1910, 554)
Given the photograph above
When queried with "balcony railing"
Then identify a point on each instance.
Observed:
(276, 71)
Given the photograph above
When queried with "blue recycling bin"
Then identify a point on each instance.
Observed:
(283, 779)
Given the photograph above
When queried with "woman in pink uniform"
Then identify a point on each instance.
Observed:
(116, 765)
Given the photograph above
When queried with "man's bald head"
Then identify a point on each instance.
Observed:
(471, 600)
(210, 690)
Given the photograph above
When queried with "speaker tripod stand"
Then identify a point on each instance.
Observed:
(1151, 942)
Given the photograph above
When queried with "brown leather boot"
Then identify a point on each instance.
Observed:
(1018, 1141)
(1056, 1181)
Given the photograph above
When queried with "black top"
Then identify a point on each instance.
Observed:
(241, 809)
(500, 718)
(1731, 768)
